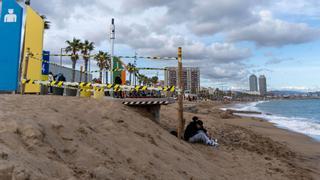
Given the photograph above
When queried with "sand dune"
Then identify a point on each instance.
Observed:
(45, 137)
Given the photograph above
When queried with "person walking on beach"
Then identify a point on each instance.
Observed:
(50, 79)
(196, 133)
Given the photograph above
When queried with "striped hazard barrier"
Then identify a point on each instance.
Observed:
(133, 103)
(99, 87)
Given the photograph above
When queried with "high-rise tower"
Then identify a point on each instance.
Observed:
(263, 85)
(253, 82)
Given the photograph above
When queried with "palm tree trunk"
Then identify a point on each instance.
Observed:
(73, 70)
(134, 78)
(86, 70)
(100, 75)
(107, 77)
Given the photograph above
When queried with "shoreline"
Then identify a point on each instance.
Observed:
(313, 138)
(268, 117)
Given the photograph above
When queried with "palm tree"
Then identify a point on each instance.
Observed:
(144, 79)
(154, 80)
(103, 61)
(141, 78)
(46, 22)
(74, 47)
(87, 47)
(131, 69)
(136, 76)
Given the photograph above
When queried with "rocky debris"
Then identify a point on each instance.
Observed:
(231, 111)
(226, 114)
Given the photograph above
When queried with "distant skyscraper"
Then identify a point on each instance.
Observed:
(263, 85)
(253, 81)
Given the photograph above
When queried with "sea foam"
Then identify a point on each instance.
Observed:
(310, 127)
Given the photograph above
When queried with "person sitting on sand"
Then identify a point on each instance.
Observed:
(191, 129)
(196, 133)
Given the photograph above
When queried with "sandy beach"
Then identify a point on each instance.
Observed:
(46, 137)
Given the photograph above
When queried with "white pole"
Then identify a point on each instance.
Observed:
(135, 66)
(104, 78)
(112, 38)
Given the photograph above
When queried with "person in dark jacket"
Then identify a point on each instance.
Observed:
(118, 81)
(196, 133)
(61, 78)
(191, 129)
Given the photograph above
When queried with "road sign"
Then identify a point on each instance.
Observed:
(45, 62)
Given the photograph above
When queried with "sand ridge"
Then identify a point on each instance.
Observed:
(46, 137)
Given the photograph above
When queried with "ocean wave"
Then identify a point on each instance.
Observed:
(307, 126)
(252, 106)
(299, 125)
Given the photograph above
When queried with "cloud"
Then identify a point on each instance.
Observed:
(274, 32)
(261, 71)
(278, 60)
(211, 32)
(225, 71)
(136, 6)
(296, 88)
(234, 74)
(306, 8)
(219, 53)
(210, 17)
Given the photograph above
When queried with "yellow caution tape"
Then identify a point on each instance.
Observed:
(98, 87)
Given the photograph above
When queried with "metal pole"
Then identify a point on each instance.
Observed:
(25, 71)
(181, 123)
(135, 66)
(81, 71)
(89, 72)
(61, 56)
(112, 38)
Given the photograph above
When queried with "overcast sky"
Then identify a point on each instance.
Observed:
(227, 39)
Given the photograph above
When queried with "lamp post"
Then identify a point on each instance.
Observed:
(112, 38)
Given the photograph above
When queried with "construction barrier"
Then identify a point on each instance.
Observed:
(98, 93)
(86, 87)
(85, 92)
(148, 57)
(96, 71)
(124, 57)
(131, 69)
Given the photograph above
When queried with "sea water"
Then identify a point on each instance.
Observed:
(302, 116)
